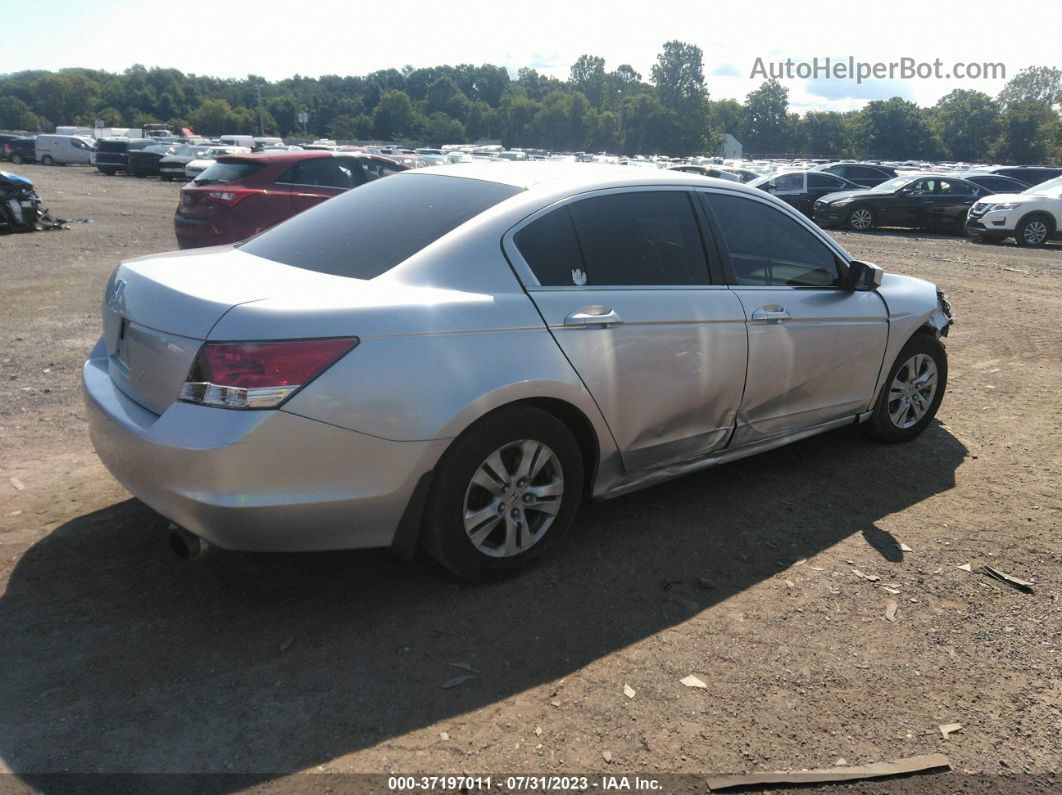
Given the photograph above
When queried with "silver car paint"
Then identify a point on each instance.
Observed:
(447, 336)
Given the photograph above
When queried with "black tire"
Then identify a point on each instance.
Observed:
(881, 425)
(47, 160)
(990, 238)
(444, 536)
(108, 171)
(852, 222)
(16, 158)
(1028, 232)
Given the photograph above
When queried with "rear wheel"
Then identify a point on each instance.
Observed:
(1034, 232)
(912, 392)
(16, 158)
(504, 493)
(47, 160)
(860, 219)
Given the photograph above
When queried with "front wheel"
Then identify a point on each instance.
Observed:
(1033, 232)
(860, 219)
(504, 493)
(912, 392)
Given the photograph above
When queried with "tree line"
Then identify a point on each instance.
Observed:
(594, 110)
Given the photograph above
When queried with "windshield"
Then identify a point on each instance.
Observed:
(188, 151)
(367, 231)
(1053, 187)
(891, 185)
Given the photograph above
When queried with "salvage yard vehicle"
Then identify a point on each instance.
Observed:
(452, 359)
(995, 183)
(240, 195)
(866, 174)
(20, 206)
(19, 150)
(61, 150)
(172, 166)
(1031, 217)
(707, 171)
(145, 162)
(112, 154)
(916, 201)
(800, 189)
(207, 157)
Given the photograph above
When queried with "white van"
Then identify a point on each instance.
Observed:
(63, 149)
(237, 140)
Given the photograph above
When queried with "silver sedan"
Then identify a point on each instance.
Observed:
(454, 359)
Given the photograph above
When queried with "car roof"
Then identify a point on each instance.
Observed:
(284, 156)
(573, 177)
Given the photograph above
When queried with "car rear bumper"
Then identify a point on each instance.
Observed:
(254, 480)
(195, 232)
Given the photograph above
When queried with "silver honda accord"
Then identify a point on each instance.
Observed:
(453, 358)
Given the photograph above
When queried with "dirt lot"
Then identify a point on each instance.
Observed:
(119, 658)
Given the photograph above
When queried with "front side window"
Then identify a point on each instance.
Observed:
(640, 238)
(769, 248)
(789, 182)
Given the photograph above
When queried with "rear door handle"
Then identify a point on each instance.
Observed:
(593, 317)
(772, 313)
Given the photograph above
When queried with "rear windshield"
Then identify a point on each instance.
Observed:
(369, 230)
(226, 172)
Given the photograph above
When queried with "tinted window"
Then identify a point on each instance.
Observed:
(922, 187)
(549, 246)
(640, 238)
(767, 247)
(226, 172)
(112, 146)
(824, 181)
(366, 232)
(324, 172)
(375, 169)
(956, 188)
(863, 172)
(789, 182)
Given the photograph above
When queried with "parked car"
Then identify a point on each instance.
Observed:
(1031, 217)
(801, 189)
(145, 162)
(61, 150)
(441, 359)
(20, 206)
(112, 154)
(172, 165)
(19, 150)
(918, 201)
(205, 160)
(863, 174)
(240, 195)
(706, 171)
(1030, 175)
(996, 183)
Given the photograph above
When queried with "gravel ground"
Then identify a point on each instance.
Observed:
(117, 658)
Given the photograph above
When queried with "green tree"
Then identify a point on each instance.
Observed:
(441, 129)
(825, 134)
(1028, 133)
(1041, 84)
(894, 129)
(213, 117)
(588, 76)
(766, 121)
(393, 117)
(679, 78)
(445, 97)
(967, 123)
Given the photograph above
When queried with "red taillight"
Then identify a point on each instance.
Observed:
(259, 374)
(230, 197)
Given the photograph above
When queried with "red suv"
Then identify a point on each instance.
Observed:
(241, 195)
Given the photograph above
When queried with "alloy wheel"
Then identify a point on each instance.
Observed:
(861, 219)
(1035, 232)
(513, 498)
(912, 391)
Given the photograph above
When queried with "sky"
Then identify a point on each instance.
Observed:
(279, 39)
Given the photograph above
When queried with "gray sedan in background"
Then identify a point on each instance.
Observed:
(454, 359)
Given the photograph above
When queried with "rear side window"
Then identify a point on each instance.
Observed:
(366, 232)
(768, 248)
(374, 169)
(226, 172)
(638, 238)
(824, 181)
(955, 188)
(112, 146)
(551, 249)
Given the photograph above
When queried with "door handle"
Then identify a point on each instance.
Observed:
(772, 313)
(593, 317)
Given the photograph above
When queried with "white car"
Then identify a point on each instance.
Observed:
(197, 167)
(1031, 217)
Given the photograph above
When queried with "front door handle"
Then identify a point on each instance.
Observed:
(593, 317)
(772, 313)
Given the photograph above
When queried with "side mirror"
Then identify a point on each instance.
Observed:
(863, 276)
